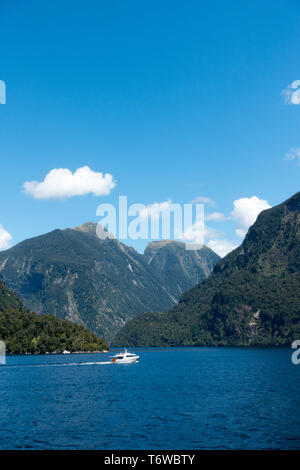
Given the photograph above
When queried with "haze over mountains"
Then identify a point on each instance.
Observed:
(100, 284)
(251, 298)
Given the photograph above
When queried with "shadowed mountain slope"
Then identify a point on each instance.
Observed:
(100, 284)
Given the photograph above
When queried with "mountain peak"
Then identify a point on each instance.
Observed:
(75, 274)
(87, 227)
(157, 245)
(96, 230)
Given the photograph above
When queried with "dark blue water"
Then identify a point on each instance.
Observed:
(195, 398)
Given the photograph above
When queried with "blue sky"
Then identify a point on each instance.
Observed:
(176, 100)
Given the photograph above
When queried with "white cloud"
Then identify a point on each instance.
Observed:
(194, 233)
(155, 210)
(246, 211)
(222, 247)
(216, 216)
(5, 238)
(198, 232)
(291, 94)
(204, 200)
(61, 183)
(293, 154)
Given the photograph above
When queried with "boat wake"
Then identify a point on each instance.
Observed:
(56, 364)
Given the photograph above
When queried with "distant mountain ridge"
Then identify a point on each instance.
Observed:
(251, 298)
(178, 268)
(100, 284)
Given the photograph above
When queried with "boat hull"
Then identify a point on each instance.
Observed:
(125, 361)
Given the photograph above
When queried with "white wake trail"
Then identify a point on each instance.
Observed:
(63, 364)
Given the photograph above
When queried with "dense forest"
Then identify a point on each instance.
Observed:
(27, 332)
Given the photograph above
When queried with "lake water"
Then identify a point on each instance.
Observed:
(174, 398)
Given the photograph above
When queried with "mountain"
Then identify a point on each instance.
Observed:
(100, 284)
(27, 332)
(177, 268)
(251, 298)
(9, 301)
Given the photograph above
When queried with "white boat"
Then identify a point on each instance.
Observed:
(125, 357)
